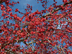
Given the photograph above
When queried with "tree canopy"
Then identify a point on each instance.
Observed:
(48, 31)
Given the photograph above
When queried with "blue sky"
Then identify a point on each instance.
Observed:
(34, 4)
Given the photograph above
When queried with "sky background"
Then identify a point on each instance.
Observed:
(34, 4)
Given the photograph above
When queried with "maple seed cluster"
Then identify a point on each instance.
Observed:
(48, 31)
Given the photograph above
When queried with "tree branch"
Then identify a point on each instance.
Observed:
(48, 14)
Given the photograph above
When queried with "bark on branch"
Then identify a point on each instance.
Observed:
(48, 14)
